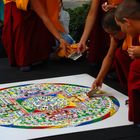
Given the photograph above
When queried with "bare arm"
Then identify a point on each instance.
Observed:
(89, 24)
(107, 62)
(39, 9)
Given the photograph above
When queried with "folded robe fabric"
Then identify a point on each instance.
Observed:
(21, 4)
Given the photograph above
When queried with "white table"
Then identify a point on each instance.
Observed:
(118, 119)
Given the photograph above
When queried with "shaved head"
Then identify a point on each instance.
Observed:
(108, 21)
(128, 9)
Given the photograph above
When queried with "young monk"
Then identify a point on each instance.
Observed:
(116, 39)
(98, 38)
(128, 18)
(30, 27)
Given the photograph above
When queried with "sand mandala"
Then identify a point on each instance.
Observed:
(53, 105)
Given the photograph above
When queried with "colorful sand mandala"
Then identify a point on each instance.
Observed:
(53, 105)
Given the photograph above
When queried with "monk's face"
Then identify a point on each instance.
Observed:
(122, 25)
(127, 27)
(116, 34)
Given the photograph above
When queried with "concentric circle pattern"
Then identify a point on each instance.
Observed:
(53, 105)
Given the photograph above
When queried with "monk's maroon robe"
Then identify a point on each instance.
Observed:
(128, 71)
(25, 37)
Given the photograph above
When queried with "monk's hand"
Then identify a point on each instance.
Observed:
(97, 84)
(82, 47)
(134, 52)
(65, 46)
(106, 7)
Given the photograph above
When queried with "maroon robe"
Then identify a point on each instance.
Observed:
(99, 40)
(134, 91)
(122, 62)
(25, 37)
(128, 71)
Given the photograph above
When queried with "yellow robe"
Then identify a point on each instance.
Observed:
(52, 8)
(21, 4)
(127, 42)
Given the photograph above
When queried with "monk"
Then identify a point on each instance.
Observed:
(128, 18)
(99, 40)
(30, 28)
(117, 38)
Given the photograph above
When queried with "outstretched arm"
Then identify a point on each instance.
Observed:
(89, 24)
(40, 11)
(107, 62)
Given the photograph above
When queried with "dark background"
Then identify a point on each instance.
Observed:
(65, 67)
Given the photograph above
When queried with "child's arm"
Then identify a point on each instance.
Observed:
(107, 62)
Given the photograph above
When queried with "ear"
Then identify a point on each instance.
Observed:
(127, 21)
